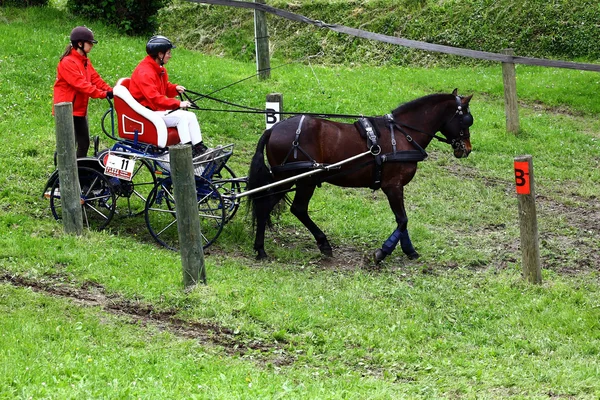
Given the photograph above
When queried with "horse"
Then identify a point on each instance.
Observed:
(391, 146)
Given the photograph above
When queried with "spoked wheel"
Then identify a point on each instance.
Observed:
(161, 217)
(98, 199)
(228, 185)
(132, 195)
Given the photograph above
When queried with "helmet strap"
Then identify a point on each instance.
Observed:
(81, 47)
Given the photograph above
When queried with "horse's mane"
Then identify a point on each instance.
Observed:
(405, 107)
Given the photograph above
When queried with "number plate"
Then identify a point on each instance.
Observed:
(119, 167)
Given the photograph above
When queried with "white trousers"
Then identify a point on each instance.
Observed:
(186, 123)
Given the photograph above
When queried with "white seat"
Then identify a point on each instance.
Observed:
(136, 122)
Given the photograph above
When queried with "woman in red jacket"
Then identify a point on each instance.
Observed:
(150, 86)
(77, 81)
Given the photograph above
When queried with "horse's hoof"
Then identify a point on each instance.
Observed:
(413, 256)
(328, 253)
(325, 249)
(379, 256)
(262, 255)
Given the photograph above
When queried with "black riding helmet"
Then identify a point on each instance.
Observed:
(158, 44)
(82, 34)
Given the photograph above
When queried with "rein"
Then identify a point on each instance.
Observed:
(389, 117)
(253, 110)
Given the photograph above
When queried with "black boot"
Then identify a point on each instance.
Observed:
(198, 149)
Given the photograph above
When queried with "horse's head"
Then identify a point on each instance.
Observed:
(456, 130)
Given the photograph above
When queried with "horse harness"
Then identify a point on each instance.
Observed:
(367, 127)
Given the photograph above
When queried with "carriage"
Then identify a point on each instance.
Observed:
(303, 152)
(133, 177)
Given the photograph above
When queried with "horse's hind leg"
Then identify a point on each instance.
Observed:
(300, 209)
(396, 199)
(262, 210)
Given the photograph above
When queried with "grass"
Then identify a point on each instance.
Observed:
(105, 316)
(535, 28)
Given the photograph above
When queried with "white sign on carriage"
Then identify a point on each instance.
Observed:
(119, 167)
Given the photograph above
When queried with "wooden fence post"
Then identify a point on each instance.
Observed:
(511, 106)
(70, 191)
(261, 37)
(186, 208)
(274, 106)
(528, 219)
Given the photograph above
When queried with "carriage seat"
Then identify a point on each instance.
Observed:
(138, 123)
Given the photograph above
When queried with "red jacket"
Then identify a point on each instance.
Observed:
(77, 81)
(150, 86)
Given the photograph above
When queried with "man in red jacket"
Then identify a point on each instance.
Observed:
(77, 81)
(150, 86)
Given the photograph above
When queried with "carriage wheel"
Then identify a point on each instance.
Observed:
(161, 217)
(225, 181)
(132, 195)
(98, 199)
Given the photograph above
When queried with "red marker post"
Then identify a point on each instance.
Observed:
(528, 219)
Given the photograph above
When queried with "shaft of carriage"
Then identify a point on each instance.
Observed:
(318, 169)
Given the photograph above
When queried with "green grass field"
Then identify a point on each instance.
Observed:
(105, 315)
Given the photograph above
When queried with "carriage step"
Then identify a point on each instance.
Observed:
(48, 194)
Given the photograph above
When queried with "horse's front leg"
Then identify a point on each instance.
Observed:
(400, 235)
(300, 209)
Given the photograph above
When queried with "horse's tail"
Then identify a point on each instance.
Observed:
(259, 176)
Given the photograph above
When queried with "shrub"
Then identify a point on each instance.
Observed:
(134, 17)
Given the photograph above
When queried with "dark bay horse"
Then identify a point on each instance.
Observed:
(393, 145)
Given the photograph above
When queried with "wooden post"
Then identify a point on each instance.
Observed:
(261, 37)
(528, 219)
(274, 106)
(186, 208)
(66, 159)
(511, 106)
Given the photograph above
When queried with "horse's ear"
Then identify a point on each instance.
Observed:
(455, 92)
(466, 99)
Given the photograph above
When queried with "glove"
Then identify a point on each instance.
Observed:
(109, 95)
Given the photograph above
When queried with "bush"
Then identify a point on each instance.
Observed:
(23, 3)
(134, 17)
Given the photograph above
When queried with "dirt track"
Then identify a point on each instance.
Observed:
(91, 294)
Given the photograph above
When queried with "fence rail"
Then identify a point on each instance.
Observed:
(482, 55)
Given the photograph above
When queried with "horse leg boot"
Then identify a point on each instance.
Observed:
(390, 244)
(300, 209)
(395, 197)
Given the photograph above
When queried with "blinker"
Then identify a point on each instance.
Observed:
(466, 120)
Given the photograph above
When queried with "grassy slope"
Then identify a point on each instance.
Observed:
(537, 28)
(457, 323)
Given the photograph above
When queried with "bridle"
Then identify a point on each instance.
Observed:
(466, 120)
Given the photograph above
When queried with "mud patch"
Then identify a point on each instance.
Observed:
(571, 243)
(92, 294)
